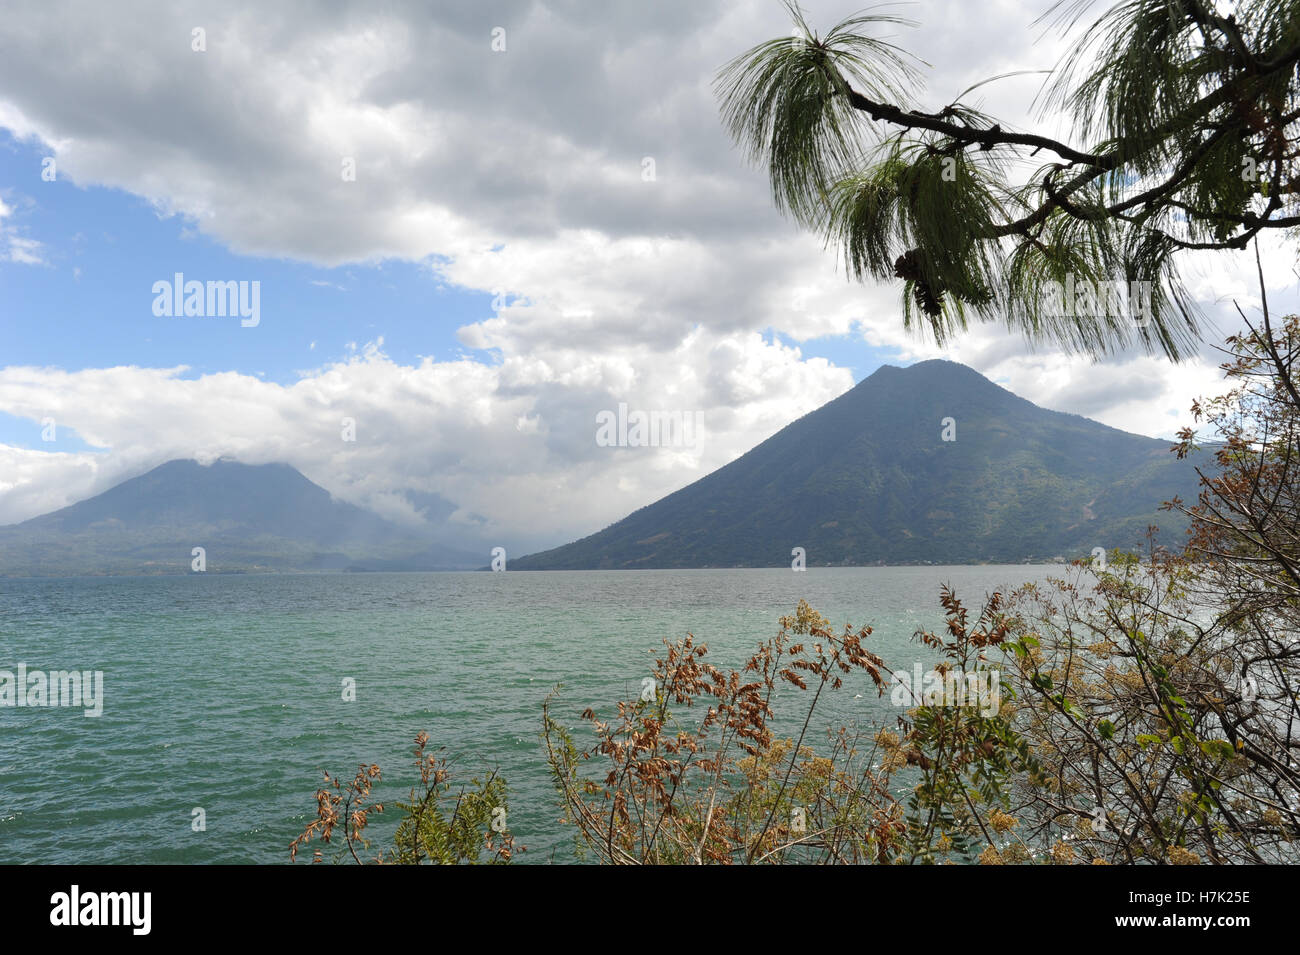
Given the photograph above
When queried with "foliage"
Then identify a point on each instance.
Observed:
(966, 757)
(1149, 744)
(1187, 118)
(1161, 695)
(438, 826)
(722, 788)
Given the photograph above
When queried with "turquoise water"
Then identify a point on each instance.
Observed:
(226, 692)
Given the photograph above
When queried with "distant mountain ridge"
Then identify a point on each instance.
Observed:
(247, 518)
(867, 478)
(273, 499)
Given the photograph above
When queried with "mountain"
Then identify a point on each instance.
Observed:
(245, 517)
(868, 478)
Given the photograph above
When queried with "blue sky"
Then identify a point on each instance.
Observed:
(89, 306)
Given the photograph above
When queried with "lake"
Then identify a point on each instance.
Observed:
(226, 693)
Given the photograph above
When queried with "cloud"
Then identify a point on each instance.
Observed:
(513, 446)
(521, 174)
(14, 246)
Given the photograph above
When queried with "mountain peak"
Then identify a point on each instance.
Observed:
(930, 369)
(927, 463)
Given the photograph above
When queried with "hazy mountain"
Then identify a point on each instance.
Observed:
(246, 517)
(868, 478)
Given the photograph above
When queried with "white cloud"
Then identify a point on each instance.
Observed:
(446, 428)
(15, 247)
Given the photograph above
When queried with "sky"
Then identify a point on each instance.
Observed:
(471, 229)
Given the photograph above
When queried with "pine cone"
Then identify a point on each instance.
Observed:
(928, 299)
